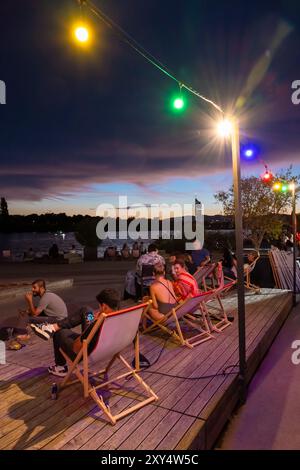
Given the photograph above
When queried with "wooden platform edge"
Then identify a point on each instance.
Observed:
(228, 402)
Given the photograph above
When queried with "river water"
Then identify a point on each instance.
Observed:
(18, 243)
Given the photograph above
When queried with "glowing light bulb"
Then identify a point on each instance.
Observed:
(81, 34)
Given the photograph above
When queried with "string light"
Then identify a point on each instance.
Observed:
(125, 37)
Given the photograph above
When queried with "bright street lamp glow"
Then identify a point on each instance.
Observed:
(277, 186)
(225, 128)
(81, 34)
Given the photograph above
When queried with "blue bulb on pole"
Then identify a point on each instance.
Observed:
(249, 152)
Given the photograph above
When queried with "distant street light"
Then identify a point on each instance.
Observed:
(230, 128)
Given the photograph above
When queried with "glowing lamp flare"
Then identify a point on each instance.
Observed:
(277, 187)
(81, 33)
(225, 128)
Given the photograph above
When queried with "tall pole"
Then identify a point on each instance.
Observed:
(235, 142)
(294, 246)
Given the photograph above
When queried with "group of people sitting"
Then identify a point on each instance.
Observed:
(126, 252)
(171, 284)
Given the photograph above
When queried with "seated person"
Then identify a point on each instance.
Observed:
(150, 258)
(185, 284)
(125, 252)
(229, 264)
(65, 338)
(162, 294)
(53, 251)
(135, 250)
(170, 273)
(51, 307)
(111, 252)
(251, 257)
(200, 256)
(73, 250)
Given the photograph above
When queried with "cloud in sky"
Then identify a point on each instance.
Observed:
(74, 122)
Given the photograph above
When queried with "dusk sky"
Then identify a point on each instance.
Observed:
(84, 125)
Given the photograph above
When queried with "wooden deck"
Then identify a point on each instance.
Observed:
(189, 414)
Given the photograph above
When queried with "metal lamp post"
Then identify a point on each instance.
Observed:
(226, 129)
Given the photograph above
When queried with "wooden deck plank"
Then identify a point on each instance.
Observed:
(163, 429)
(139, 434)
(203, 398)
(177, 433)
(174, 392)
(187, 414)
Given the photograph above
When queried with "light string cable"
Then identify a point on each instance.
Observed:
(130, 41)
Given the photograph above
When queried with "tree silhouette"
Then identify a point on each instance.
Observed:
(4, 208)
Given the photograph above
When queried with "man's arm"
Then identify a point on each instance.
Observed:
(34, 311)
(205, 262)
(77, 345)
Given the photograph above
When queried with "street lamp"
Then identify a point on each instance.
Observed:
(230, 128)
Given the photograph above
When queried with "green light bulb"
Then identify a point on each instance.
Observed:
(178, 103)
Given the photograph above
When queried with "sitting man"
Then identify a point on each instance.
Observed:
(151, 258)
(200, 256)
(185, 285)
(65, 338)
(50, 307)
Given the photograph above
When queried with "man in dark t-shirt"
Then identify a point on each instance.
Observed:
(70, 341)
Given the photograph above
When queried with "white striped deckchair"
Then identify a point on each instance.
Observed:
(115, 331)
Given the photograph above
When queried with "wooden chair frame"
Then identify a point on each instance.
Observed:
(184, 312)
(83, 376)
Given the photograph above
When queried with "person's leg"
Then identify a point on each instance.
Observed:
(46, 330)
(64, 339)
(74, 319)
(42, 318)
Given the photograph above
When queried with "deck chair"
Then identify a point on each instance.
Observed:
(213, 303)
(203, 273)
(184, 312)
(247, 277)
(115, 331)
(248, 272)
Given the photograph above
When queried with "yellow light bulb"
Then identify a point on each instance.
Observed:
(81, 34)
